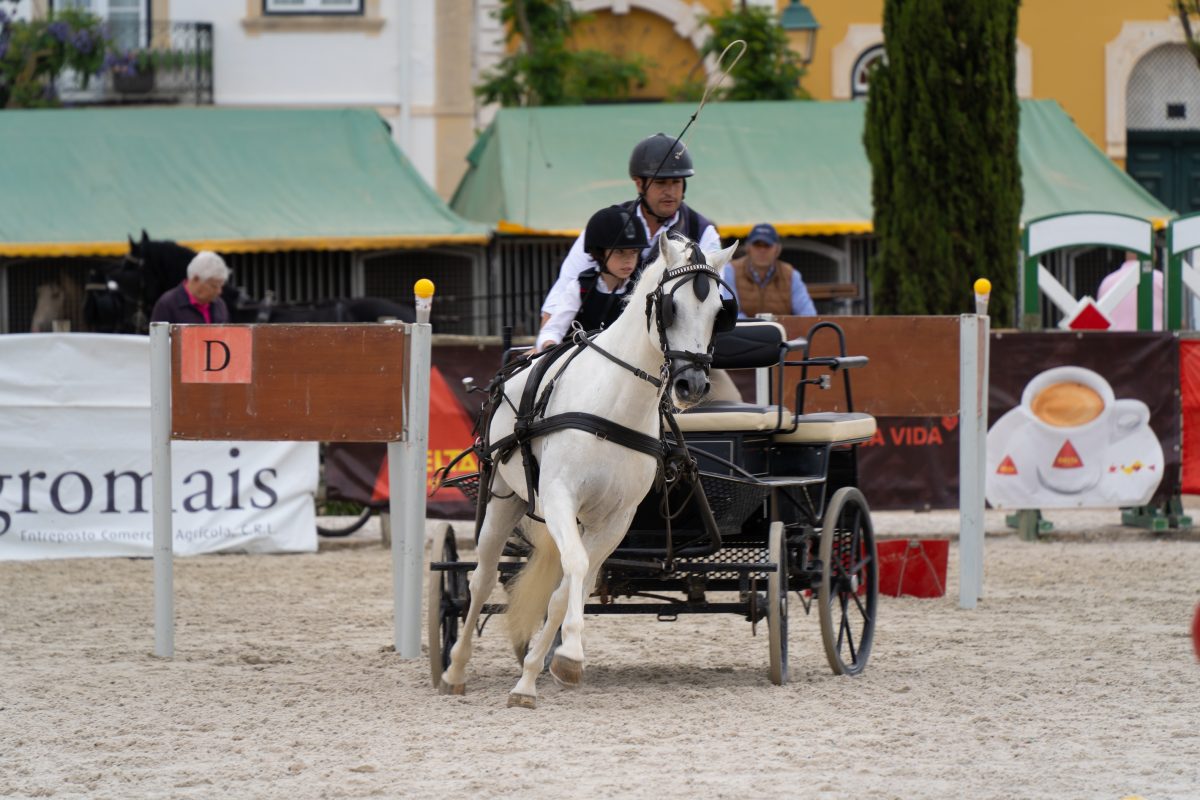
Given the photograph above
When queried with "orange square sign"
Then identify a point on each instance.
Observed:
(216, 354)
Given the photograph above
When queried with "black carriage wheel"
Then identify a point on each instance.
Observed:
(847, 597)
(332, 530)
(777, 590)
(448, 600)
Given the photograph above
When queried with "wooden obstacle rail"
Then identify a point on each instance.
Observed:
(315, 382)
(919, 367)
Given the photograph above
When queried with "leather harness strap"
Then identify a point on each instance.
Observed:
(527, 426)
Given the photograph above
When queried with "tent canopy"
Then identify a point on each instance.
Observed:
(78, 181)
(800, 165)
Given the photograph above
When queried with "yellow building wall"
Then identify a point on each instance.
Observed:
(668, 59)
(835, 18)
(1067, 39)
(1066, 42)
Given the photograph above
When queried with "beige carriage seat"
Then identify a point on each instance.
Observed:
(828, 427)
(732, 417)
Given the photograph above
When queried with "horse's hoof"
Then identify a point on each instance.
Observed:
(567, 672)
(521, 700)
(451, 688)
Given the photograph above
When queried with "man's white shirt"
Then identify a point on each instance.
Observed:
(577, 260)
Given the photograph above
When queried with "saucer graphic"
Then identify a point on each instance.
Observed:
(1131, 469)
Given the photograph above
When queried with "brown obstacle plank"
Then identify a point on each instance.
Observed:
(288, 382)
(913, 370)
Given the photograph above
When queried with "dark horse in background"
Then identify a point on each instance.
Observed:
(121, 300)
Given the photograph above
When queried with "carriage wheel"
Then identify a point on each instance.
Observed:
(777, 590)
(327, 527)
(449, 598)
(849, 589)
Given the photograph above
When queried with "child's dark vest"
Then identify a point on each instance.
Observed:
(597, 309)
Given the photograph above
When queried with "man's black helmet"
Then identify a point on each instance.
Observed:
(614, 228)
(660, 156)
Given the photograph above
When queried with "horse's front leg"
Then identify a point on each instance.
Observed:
(561, 508)
(501, 517)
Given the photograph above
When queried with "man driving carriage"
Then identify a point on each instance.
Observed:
(659, 166)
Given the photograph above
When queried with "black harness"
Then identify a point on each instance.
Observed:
(530, 423)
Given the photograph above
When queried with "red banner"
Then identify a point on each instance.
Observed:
(359, 472)
(1189, 379)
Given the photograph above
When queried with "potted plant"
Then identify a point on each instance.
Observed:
(35, 54)
(133, 73)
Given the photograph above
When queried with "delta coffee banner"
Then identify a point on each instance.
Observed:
(1075, 420)
(1083, 420)
(75, 476)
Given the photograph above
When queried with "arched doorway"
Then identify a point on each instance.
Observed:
(1162, 119)
(671, 60)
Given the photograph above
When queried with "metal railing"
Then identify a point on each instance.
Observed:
(173, 65)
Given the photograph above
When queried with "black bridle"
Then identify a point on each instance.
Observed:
(658, 302)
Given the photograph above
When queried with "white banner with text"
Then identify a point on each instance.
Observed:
(75, 462)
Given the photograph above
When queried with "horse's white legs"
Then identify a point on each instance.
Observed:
(598, 544)
(501, 516)
(525, 691)
(561, 509)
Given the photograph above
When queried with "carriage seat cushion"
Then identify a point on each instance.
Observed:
(723, 415)
(828, 427)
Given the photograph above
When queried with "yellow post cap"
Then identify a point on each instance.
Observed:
(423, 288)
(983, 286)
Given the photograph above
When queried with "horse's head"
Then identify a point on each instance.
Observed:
(682, 290)
(56, 301)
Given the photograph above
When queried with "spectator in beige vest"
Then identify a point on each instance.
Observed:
(763, 283)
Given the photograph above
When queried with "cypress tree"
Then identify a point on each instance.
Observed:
(941, 133)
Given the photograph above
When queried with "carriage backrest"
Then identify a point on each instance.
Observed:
(752, 344)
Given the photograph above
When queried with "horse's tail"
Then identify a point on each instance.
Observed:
(529, 593)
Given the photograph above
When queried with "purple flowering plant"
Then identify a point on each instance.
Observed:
(34, 53)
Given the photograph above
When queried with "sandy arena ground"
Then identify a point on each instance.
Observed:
(1074, 678)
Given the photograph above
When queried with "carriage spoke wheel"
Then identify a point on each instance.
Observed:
(449, 598)
(334, 527)
(777, 605)
(848, 593)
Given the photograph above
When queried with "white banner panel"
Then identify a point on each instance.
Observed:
(75, 462)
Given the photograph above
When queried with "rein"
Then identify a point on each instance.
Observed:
(581, 338)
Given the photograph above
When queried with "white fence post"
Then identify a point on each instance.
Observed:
(406, 490)
(972, 454)
(160, 468)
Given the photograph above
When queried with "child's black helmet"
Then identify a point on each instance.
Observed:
(614, 228)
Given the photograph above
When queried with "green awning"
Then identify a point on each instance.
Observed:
(800, 165)
(78, 181)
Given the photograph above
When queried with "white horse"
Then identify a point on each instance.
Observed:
(58, 300)
(589, 486)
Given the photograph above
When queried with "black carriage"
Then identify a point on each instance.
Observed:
(768, 518)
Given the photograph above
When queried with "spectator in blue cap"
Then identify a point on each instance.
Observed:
(763, 283)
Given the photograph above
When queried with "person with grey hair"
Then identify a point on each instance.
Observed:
(198, 299)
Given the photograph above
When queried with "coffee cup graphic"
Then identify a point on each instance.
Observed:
(1073, 420)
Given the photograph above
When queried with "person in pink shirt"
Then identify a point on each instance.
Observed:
(1124, 316)
(198, 299)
